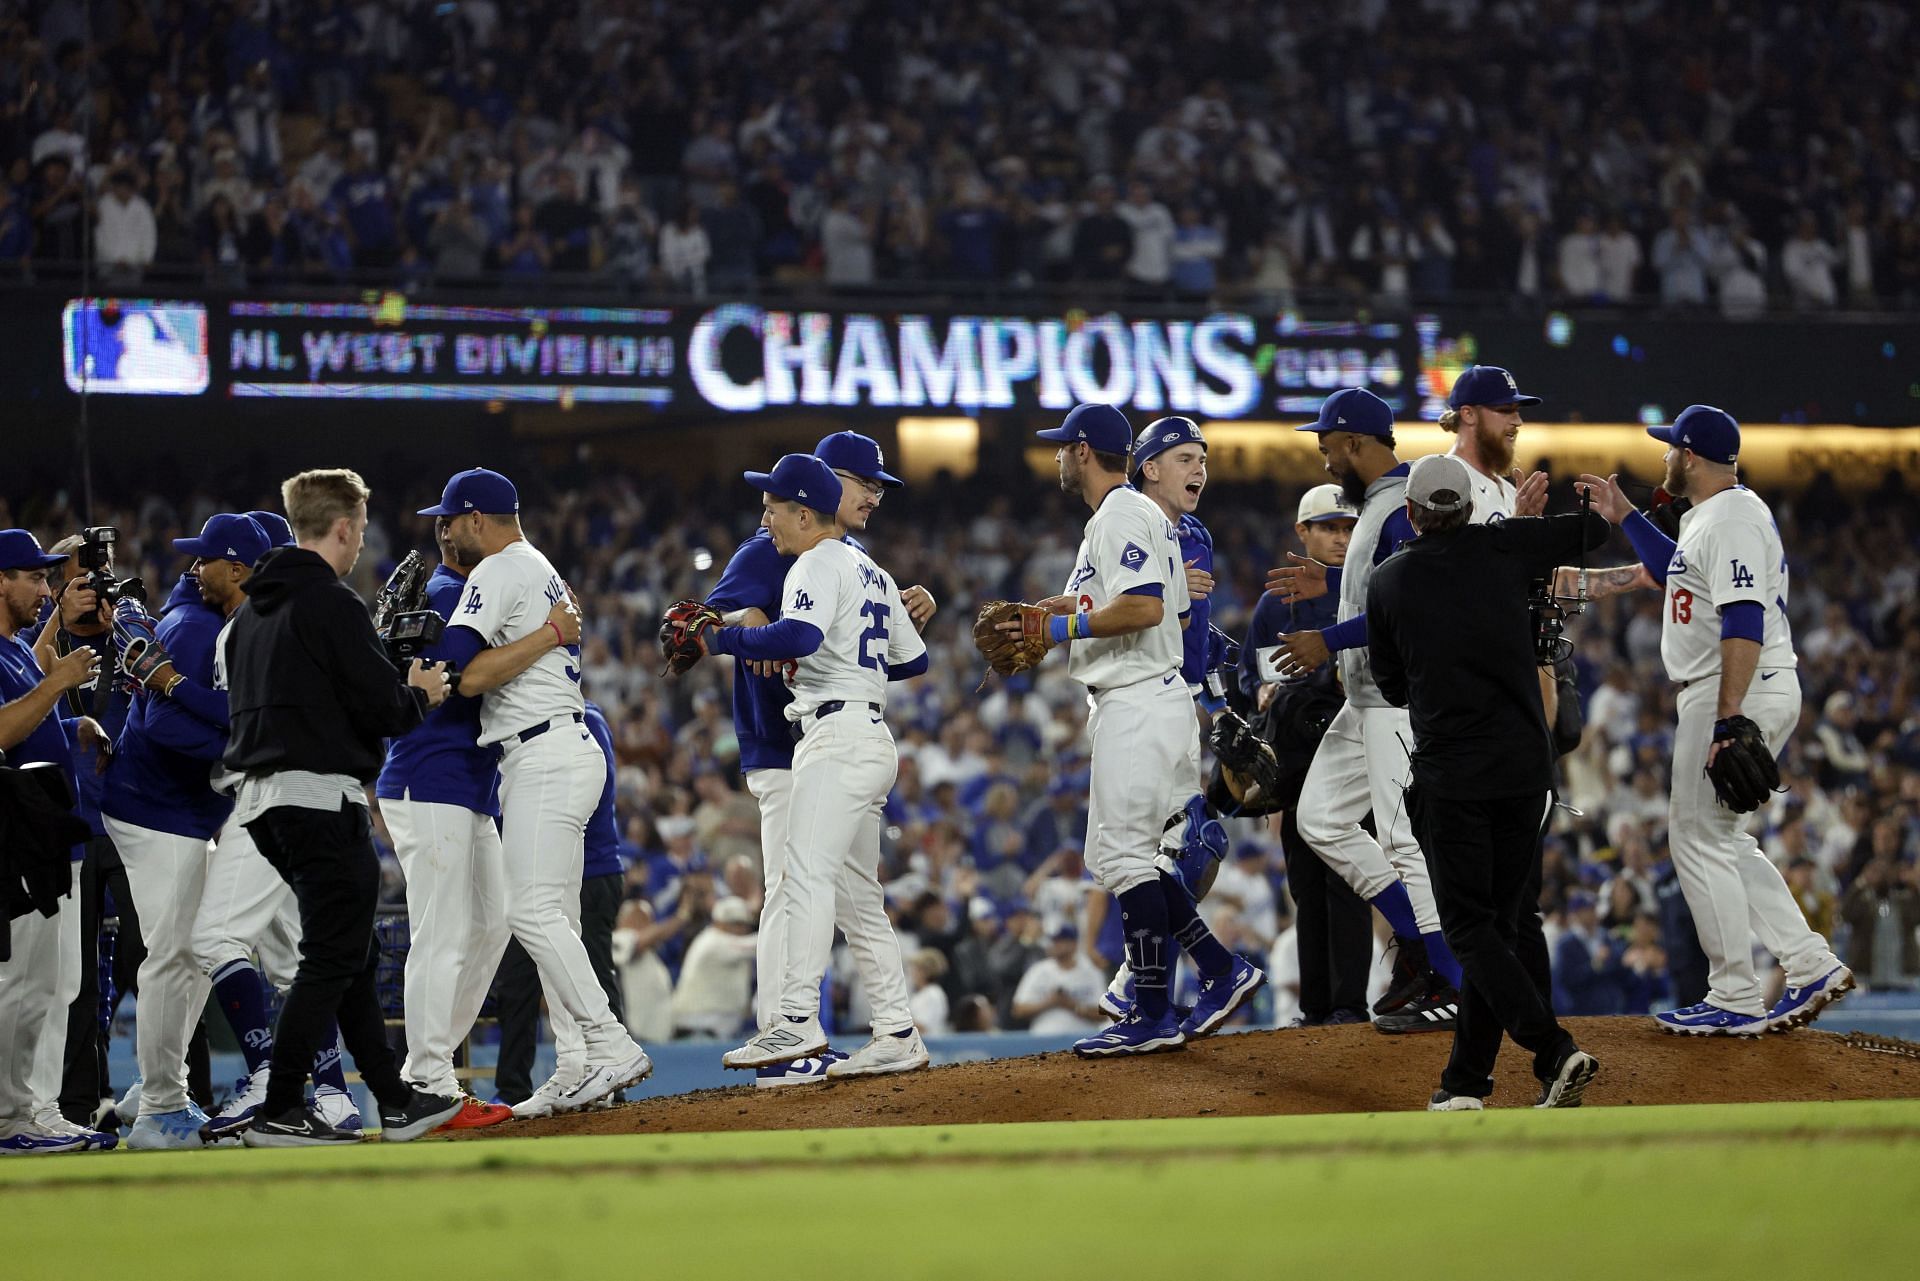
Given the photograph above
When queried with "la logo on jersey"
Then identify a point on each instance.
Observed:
(801, 601)
(1132, 557)
(1742, 576)
(473, 601)
(1082, 574)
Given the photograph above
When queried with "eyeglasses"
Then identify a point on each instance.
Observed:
(873, 487)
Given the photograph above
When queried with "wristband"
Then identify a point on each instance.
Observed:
(1066, 627)
(168, 691)
(559, 638)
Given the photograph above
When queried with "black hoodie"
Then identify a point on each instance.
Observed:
(310, 686)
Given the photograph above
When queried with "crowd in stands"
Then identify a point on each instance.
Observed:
(1697, 155)
(981, 852)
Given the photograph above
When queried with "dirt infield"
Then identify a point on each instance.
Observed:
(1290, 1072)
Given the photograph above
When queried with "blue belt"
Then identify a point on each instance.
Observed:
(833, 705)
(528, 735)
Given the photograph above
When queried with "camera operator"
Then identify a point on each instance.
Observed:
(1333, 926)
(311, 697)
(42, 975)
(1463, 664)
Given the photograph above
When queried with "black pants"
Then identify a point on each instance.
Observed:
(1333, 926)
(102, 893)
(516, 992)
(1531, 942)
(1482, 856)
(329, 860)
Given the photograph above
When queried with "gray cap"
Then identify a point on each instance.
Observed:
(1440, 483)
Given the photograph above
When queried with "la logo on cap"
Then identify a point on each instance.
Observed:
(1340, 420)
(879, 457)
(1509, 378)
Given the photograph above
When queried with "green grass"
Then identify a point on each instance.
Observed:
(1754, 1191)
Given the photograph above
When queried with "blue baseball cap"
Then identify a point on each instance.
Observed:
(850, 451)
(275, 526)
(19, 549)
(1101, 426)
(1162, 434)
(1353, 409)
(801, 478)
(478, 490)
(228, 536)
(1487, 385)
(1708, 432)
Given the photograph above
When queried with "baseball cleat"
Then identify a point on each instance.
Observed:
(883, 1056)
(249, 1092)
(168, 1130)
(1135, 1034)
(1708, 1019)
(544, 1101)
(1570, 1081)
(1220, 997)
(607, 1079)
(1799, 1006)
(475, 1115)
(28, 1139)
(337, 1109)
(1444, 1102)
(299, 1127)
(1434, 1012)
(1410, 975)
(52, 1122)
(784, 1042)
(810, 1071)
(120, 1115)
(422, 1114)
(1117, 1001)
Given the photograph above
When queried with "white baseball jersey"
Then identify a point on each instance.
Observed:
(1129, 544)
(1729, 550)
(508, 597)
(1492, 496)
(836, 587)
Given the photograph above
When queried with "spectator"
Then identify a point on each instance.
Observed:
(457, 242)
(630, 239)
(1882, 912)
(57, 212)
(684, 250)
(714, 997)
(221, 237)
(846, 240)
(1742, 272)
(1817, 904)
(1682, 258)
(1150, 264)
(525, 252)
(1102, 240)
(928, 1000)
(1620, 258)
(1059, 995)
(1579, 260)
(1643, 967)
(124, 235)
(1858, 252)
(567, 225)
(1584, 979)
(733, 237)
(1807, 262)
(1197, 247)
(271, 246)
(366, 202)
(646, 985)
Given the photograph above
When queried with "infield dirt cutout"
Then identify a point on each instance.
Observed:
(1289, 1072)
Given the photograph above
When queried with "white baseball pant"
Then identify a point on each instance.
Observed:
(1732, 888)
(842, 771)
(247, 911)
(457, 915)
(167, 875)
(36, 987)
(1363, 764)
(549, 787)
(1144, 738)
(859, 909)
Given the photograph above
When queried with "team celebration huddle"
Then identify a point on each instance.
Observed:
(1393, 712)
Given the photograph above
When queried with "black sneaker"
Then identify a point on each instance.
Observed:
(1410, 975)
(1435, 1011)
(422, 1113)
(297, 1128)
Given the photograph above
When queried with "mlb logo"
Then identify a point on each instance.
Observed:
(1132, 557)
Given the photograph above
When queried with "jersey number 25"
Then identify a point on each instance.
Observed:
(876, 634)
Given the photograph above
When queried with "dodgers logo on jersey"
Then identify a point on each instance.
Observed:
(1678, 565)
(1080, 575)
(1132, 557)
(1742, 576)
(801, 601)
(473, 601)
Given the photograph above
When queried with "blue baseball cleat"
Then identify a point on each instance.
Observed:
(1220, 997)
(1799, 1006)
(812, 1071)
(165, 1130)
(1135, 1034)
(1708, 1019)
(1117, 1005)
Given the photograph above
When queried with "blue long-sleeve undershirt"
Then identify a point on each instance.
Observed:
(912, 667)
(788, 638)
(1654, 548)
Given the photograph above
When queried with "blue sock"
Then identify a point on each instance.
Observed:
(329, 1067)
(1398, 909)
(243, 998)
(1441, 958)
(1195, 939)
(1143, 923)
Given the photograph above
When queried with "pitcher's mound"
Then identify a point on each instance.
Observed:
(1288, 1072)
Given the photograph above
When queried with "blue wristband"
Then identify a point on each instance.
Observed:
(1057, 629)
(1065, 627)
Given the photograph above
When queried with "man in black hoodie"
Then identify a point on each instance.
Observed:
(312, 695)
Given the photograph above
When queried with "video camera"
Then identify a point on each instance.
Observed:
(96, 562)
(1550, 612)
(406, 623)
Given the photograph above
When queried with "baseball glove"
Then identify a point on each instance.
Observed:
(680, 631)
(1010, 653)
(1743, 771)
(1247, 764)
(141, 653)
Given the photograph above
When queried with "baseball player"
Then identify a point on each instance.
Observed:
(40, 977)
(551, 771)
(749, 594)
(440, 795)
(844, 621)
(1725, 639)
(1363, 761)
(1170, 467)
(1122, 613)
